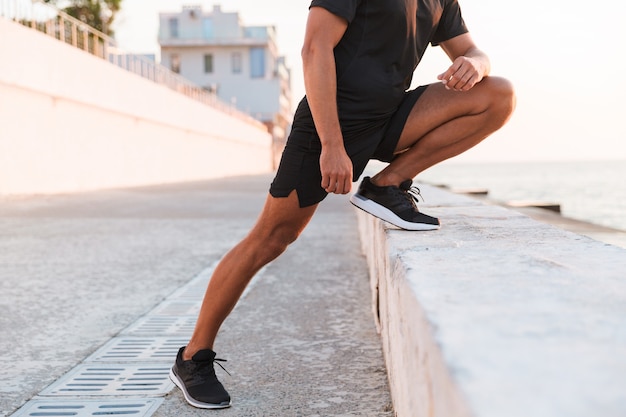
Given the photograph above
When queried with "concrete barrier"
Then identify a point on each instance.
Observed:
(497, 314)
(70, 121)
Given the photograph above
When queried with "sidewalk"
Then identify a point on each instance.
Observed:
(80, 272)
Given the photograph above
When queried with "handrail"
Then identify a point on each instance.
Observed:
(50, 20)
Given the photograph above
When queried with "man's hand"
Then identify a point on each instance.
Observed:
(336, 169)
(464, 73)
(469, 64)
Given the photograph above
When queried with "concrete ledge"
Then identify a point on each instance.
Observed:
(497, 314)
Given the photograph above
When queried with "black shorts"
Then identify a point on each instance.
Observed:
(299, 167)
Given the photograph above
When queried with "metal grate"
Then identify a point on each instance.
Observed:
(177, 308)
(194, 289)
(139, 349)
(162, 326)
(144, 407)
(115, 380)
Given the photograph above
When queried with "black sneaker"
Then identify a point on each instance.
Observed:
(396, 205)
(196, 378)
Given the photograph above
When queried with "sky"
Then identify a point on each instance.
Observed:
(565, 60)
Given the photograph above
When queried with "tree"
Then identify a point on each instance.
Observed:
(98, 14)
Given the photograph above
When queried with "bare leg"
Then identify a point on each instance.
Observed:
(444, 123)
(280, 223)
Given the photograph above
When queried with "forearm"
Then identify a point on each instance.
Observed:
(321, 90)
(324, 30)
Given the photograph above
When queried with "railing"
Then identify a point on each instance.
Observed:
(54, 22)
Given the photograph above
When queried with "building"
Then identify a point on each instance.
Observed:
(241, 64)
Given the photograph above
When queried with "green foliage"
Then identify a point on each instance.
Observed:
(96, 13)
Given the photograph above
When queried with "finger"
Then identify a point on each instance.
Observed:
(333, 186)
(325, 181)
(337, 188)
(454, 83)
(329, 183)
(343, 187)
(471, 82)
(445, 77)
(347, 187)
(462, 81)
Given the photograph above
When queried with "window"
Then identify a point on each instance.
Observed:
(257, 62)
(208, 63)
(236, 62)
(173, 22)
(207, 28)
(175, 63)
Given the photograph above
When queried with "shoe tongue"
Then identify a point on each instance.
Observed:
(204, 355)
(406, 185)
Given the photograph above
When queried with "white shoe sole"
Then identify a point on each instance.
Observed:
(387, 215)
(190, 400)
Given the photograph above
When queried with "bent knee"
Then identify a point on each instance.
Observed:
(283, 238)
(278, 240)
(502, 98)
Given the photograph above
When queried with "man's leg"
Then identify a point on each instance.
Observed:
(442, 124)
(445, 123)
(280, 223)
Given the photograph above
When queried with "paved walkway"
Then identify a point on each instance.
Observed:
(85, 277)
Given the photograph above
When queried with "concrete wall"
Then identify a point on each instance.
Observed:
(498, 315)
(72, 122)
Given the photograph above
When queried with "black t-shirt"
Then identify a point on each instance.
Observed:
(380, 50)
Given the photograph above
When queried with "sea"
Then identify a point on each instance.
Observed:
(592, 191)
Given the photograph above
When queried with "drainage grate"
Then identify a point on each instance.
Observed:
(177, 308)
(162, 326)
(144, 407)
(138, 349)
(108, 379)
(194, 290)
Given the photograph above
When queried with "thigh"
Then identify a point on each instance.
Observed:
(437, 106)
(282, 218)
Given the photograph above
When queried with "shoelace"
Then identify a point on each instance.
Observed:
(217, 361)
(206, 369)
(412, 192)
(415, 194)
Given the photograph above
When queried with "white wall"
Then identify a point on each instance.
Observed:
(72, 122)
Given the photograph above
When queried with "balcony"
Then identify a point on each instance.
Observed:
(200, 34)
